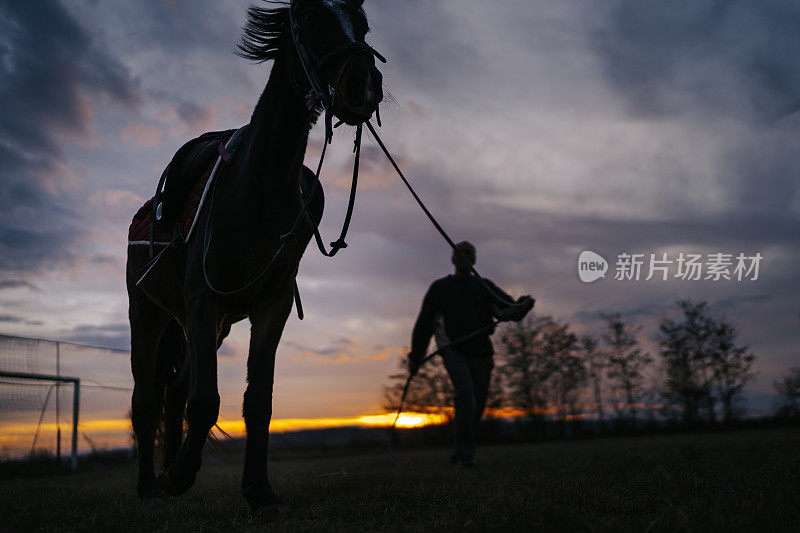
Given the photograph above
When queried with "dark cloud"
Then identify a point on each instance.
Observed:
(725, 56)
(17, 284)
(193, 115)
(13, 319)
(113, 336)
(730, 69)
(422, 41)
(336, 346)
(52, 77)
(175, 26)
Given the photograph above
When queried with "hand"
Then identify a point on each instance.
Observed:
(517, 311)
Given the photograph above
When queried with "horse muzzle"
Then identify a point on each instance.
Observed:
(362, 93)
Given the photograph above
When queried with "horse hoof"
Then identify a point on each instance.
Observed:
(265, 505)
(268, 513)
(152, 495)
(167, 483)
(149, 491)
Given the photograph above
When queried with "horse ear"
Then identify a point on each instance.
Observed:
(358, 3)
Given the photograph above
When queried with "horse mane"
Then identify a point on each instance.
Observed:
(263, 31)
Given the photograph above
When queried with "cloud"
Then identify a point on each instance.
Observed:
(52, 74)
(8, 284)
(196, 116)
(143, 135)
(725, 69)
(13, 319)
(729, 57)
(114, 336)
(342, 350)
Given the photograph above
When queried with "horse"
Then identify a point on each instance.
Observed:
(257, 213)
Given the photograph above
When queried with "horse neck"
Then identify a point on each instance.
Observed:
(277, 142)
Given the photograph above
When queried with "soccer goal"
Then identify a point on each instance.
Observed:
(23, 377)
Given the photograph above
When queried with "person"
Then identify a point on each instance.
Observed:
(455, 306)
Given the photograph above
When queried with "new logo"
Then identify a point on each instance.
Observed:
(591, 266)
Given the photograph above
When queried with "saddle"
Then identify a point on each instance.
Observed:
(184, 192)
(185, 181)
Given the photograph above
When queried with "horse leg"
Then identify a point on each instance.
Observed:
(177, 391)
(203, 407)
(172, 352)
(267, 327)
(147, 326)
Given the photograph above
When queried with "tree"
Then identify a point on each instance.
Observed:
(596, 361)
(788, 389)
(732, 366)
(540, 368)
(702, 362)
(685, 356)
(430, 391)
(565, 369)
(520, 366)
(625, 362)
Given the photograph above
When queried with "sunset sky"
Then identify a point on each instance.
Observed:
(536, 130)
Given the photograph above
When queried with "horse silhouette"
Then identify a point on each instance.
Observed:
(241, 258)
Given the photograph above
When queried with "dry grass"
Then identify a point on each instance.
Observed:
(744, 480)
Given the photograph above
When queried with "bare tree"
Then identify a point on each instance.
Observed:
(520, 366)
(596, 362)
(626, 362)
(732, 366)
(703, 363)
(685, 356)
(541, 368)
(495, 397)
(565, 369)
(788, 389)
(430, 392)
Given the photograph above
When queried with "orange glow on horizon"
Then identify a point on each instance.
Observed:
(17, 435)
(406, 420)
(10, 433)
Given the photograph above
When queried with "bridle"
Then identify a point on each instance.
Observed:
(321, 94)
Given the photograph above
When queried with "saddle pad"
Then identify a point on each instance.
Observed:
(139, 230)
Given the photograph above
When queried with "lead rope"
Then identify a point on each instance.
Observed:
(436, 224)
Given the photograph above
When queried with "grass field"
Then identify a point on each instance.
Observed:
(743, 480)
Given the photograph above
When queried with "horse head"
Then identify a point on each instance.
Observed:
(332, 65)
(329, 36)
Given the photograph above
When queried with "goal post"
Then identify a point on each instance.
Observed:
(76, 383)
